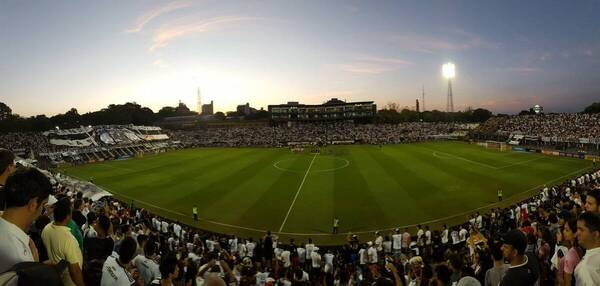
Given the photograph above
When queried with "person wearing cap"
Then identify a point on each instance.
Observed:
(523, 269)
(27, 192)
(587, 271)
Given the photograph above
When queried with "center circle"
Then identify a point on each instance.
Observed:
(340, 163)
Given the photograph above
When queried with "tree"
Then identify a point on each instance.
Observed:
(219, 115)
(593, 108)
(166, 111)
(526, 112)
(5, 111)
(481, 115)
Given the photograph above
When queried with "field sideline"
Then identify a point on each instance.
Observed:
(246, 191)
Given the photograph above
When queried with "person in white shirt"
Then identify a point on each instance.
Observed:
(156, 223)
(587, 271)
(479, 221)
(316, 258)
(455, 237)
(371, 253)
(177, 230)
(233, 245)
(250, 245)
(445, 235)
(387, 246)
(165, 227)
(285, 258)
(427, 235)
(26, 194)
(328, 259)
(210, 245)
(397, 242)
(242, 249)
(363, 257)
(463, 234)
(309, 249)
(301, 254)
(379, 242)
(148, 268)
(420, 232)
(114, 270)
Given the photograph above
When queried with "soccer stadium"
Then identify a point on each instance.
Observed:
(281, 144)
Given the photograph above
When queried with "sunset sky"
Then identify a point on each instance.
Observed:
(509, 55)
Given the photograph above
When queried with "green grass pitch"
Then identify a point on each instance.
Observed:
(246, 191)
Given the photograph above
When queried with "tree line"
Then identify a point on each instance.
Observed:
(133, 113)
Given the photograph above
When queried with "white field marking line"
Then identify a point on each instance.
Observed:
(519, 163)
(345, 233)
(461, 158)
(298, 192)
(346, 164)
(276, 165)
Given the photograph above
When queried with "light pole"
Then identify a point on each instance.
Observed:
(449, 72)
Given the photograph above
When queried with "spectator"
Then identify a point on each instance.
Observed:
(27, 191)
(521, 270)
(169, 271)
(78, 216)
(588, 234)
(117, 270)
(569, 259)
(146, 265)
(592, 201)
(7, 167)
(61, 245)
(494, 275)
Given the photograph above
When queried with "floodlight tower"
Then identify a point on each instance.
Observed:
(449, 72)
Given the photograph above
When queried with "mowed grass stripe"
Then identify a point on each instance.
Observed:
(392, 185)
(274, 200)
(238, 170)
(314, 208)
(166, 185)
(384, 187)
(354, 199)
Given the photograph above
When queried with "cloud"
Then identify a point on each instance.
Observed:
(167, 33)
(373, 65)
(148, 16)
(159, 63)
(429, 44)
(525, 70)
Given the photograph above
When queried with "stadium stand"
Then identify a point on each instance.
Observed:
(552, 238)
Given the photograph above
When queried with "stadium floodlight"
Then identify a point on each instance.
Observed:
(448, 70)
